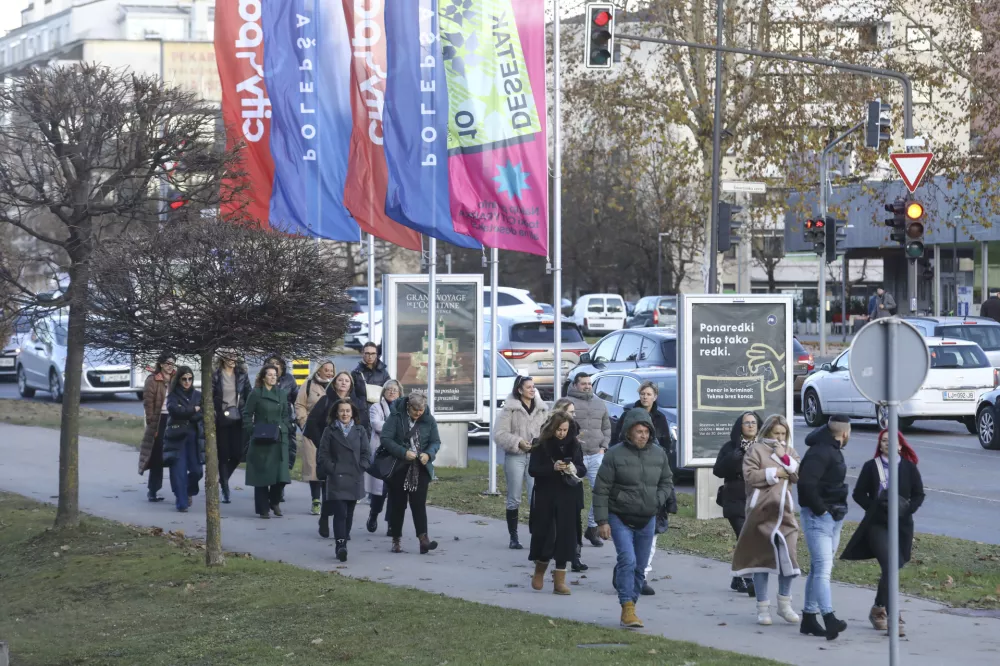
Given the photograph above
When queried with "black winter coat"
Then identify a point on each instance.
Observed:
(363, 376)
(729, 468)
(343, 461)
(555, 505)
(822, 473)
(181, 411)
(866, 494)
(242, 389)
(991, 308)
(317, 421)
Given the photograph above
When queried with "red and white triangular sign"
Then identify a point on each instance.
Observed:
(911, 167)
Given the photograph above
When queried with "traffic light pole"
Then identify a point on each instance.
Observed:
(875, 72)
(713, 249)
(823, 175)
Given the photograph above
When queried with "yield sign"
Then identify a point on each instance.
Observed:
(911, 167)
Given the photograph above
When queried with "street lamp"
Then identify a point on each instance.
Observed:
(659, 262)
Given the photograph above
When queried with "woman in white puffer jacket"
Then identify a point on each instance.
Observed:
(520, 422)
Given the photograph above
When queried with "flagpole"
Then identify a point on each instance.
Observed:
(556, 209)
(371, 289)
(431, 323)
(494, 294)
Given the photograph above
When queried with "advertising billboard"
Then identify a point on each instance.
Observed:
(736, 356)
(458, 340)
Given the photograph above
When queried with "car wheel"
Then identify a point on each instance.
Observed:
(55, 387)
(22, 384)
(907, 423)
(986, 421)
(882, 417)
(813, 411)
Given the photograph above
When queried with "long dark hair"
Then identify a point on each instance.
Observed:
(331, 415)
(160, 360)
(259, 382)
(176, 379)
(552, 424)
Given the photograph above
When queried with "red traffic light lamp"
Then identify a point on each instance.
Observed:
(600, 37)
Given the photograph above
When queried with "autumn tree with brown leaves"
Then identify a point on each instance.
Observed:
(197, 286)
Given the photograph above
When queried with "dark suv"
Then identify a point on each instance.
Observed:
(628, 350)
(654, 311)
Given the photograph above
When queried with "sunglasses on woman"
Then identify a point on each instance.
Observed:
(187, 379)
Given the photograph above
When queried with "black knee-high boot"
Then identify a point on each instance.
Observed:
(512, 530)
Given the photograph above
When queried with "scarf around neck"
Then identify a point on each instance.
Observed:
(345, 427)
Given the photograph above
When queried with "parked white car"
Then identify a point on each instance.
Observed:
(41, 365)
(506, 375)
(960, 374)
(512, 302)
(597, 314)
(19, 339)
(357, 328)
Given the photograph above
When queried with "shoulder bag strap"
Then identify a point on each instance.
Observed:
(880, 469)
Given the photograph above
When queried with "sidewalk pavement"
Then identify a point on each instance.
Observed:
(692, 603)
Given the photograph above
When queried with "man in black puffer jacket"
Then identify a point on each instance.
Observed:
(369, 371)
(823, 501)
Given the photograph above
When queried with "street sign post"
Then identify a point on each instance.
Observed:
(744, 187)
(889, 363)
(911, 167)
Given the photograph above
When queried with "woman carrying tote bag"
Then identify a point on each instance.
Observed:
(265, 428)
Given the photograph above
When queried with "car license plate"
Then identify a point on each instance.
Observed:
(545, 365)
(6, 363)
(114, 379)
(959, 395)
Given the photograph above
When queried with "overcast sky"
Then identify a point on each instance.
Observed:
(10, 14)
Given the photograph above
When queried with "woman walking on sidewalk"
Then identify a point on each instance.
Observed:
(309, 395)
(410, 434)
(230, 388)
(519, 424)
(184, 439)
(154, 405)
(633, 483)
(266, 427)
(556, 464)
(377, 414)
(566, 405)
(871, 539)
(733, 494)
(342, 459)
(769, 539)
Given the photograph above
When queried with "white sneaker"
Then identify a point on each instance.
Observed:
(785, 611)
(764, 613)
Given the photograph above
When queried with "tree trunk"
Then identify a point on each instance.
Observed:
(772, 282)
(214, 556)
(68, 511)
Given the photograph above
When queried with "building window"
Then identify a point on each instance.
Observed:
(923, 93)
(868, 36)
(917, 38)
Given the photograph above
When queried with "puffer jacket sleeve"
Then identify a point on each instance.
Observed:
(729, 462)
(665, 486)
(392, 437)
(505, 438)
(602, 489)
(151, 409)
(433, 444)
(605, 427)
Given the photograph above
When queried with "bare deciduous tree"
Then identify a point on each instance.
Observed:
(83, 151)
(198, 286)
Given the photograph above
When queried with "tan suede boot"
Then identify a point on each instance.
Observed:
(559, 582)
(629, 618)
(538, 580)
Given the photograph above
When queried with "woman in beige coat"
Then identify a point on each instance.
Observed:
(314, 389)
(154, 404)
(519, 423)
(770, 536)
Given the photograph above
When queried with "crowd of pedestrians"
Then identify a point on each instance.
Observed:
(362, 435)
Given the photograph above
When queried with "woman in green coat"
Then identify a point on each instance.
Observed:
(265, 426)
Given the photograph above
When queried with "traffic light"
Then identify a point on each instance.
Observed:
(729, 228)
(836, 231)
(879, 126)
(815, 233)
(914, 229)
(599, 40)
(897, 221)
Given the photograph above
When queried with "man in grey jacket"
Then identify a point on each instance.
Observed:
(883, 304)
(595, 437)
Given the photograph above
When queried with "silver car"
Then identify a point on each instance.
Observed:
(984, 331)
(41, 365)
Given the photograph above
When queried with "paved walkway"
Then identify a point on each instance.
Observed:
(692, 603)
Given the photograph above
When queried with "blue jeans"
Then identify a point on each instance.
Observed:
(633, 548)
(823, 538)
(760, 585)
(515, 469)
(593, 464)
(186, 472)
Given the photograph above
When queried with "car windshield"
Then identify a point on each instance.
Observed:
(504, 369)
(543, 333)
(986, 336)
(61, 335)
(360, 294)
(958, 356)
(668, 392)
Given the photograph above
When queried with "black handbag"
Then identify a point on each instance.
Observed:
(266, 433)
(175, 432)
(384, 465)
(231, 415)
